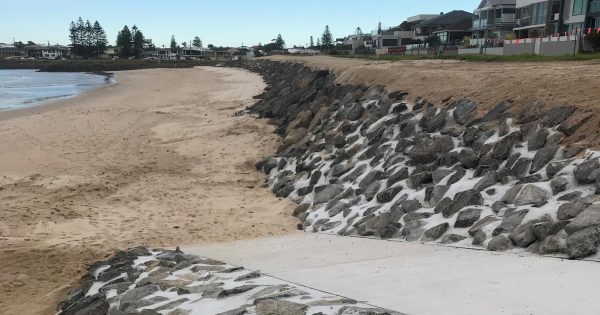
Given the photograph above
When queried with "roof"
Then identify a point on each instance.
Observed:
(492, 3)
(449, 19)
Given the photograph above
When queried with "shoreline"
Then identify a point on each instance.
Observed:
(39, 107)
(156, 159)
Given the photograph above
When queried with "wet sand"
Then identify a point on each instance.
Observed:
(157, 159)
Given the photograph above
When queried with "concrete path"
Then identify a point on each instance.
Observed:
(421, 279)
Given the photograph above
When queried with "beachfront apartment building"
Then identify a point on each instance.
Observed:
(493, 19)
(538, 18)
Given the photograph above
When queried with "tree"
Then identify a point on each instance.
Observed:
(327, 38)
(358, 31)
(184, 44)
(173, 42)
(88, 43)
(433, 40)
(279, 43)
(87, 39)
(125, 42)
(138, 41)
(197, 42)
(319, 43)
(99, 35)
(594, 39)
(312, 42)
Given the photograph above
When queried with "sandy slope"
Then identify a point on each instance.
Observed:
(545, 83)
(157, 159)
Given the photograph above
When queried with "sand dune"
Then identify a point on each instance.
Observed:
(157, 159)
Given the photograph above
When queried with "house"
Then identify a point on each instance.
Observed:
(493, 19)
(194, 53)
(108, 53)
(451, 27)
(412, 23)
(538, 18)
(47, 52)
(392, 37)
(359, 41)
(7, 51)
(241, 53)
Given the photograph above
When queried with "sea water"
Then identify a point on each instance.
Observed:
(25, 88)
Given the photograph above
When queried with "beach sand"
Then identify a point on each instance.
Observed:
(157, 159)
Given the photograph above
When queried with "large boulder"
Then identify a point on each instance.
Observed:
(432, 120)
(278, 307)
(570, 210)
(468, 158)
(588, 218)
(461, 200)
(499, 243)
(542, 157)
(423, 151)
(584, 172)
(466, 218)
(488, 180)
(510, 222)
(503, 148)
(326, 193)
(398, 176)
(524, 234)
(554, 168)
(463, 111)
(584, 242)
(537, 139)
(559, 184)
(553, 244)
(531, 194)
(435, 232)
(388, 194)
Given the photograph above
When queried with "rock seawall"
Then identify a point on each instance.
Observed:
(152, 282)
(363, 161)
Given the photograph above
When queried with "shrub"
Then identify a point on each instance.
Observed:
(594, 39)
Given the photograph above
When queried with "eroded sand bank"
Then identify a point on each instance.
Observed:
(157, 159)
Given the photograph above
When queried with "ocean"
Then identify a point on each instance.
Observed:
(26, 88)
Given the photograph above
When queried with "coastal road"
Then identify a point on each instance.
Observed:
(418, 278)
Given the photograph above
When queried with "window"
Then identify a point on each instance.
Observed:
(508, 10)
(578, 7)
(499, 14)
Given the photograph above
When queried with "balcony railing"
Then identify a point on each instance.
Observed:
(505, 19)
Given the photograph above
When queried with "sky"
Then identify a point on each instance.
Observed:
(222, 23)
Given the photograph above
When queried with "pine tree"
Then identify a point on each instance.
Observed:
(279, 43)
(312, 42)
(173, 42)
(319, 43)
(327, 38)
(124, 42)
(197, 42)
(100, 41)
(74, 37)
(137, 41)
(88, 42)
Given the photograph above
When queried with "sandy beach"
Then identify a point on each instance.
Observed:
(157, 159)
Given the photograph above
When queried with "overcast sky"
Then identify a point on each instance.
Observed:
(218, 22)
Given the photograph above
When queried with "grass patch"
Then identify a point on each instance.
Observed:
(481, 58)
